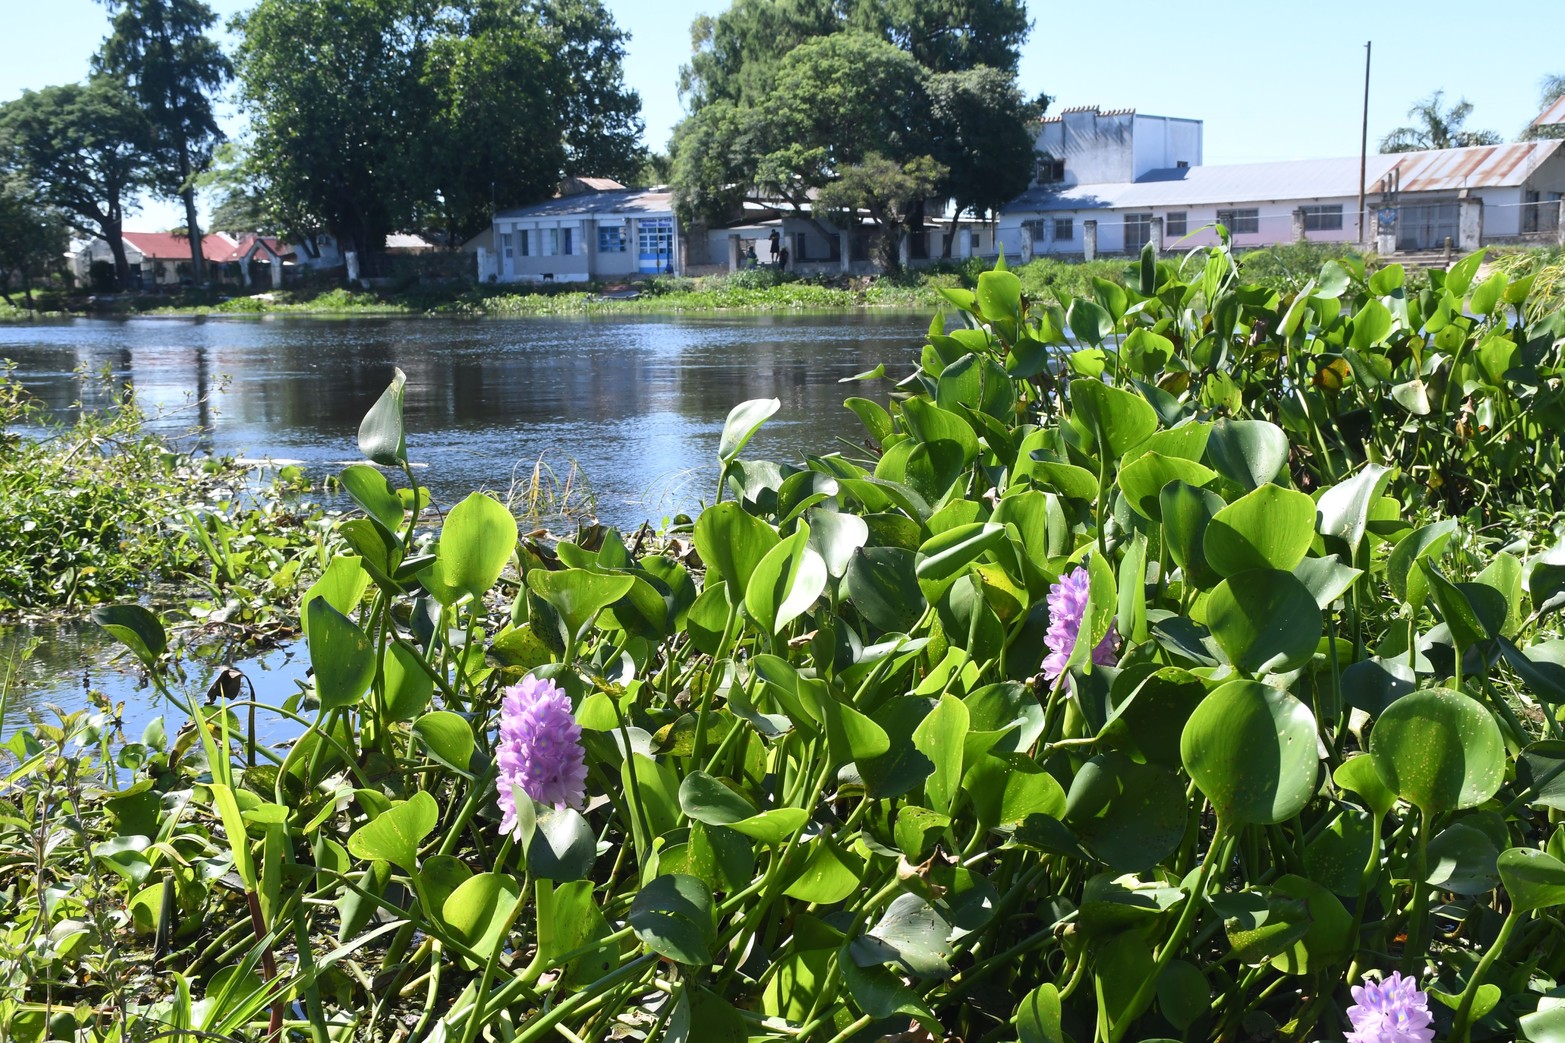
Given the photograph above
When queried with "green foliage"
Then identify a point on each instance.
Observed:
(99, 509)
(832, 790)
(493, 102)
(84, 150)
(1437, 127)
(879, 103)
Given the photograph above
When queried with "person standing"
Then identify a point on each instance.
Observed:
(775, 240)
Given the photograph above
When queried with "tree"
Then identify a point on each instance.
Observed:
(85, 149)
(1553, 89)
(788, 97)
(887, 191)
(1436, 128)
(33, 239)
(951, 35)
(173, 68)
(601, 116)
(983, 138)
(497, 132)
(379, 115)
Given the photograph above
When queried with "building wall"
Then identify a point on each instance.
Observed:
(1160, 142)
(585, 261)
(1274, 224)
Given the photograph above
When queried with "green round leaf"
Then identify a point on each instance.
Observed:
(1251, 750)
(1267, 528)
(1186, 512)
(1533, 879)
(1249, 452)
(341, 655)
(1130, 816)
(1265, 621)
(1438, 750)
(673, 916)
(395, 834)
(476, 542)
(1143, 479)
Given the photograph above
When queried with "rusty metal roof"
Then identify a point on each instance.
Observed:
(1552, 116)
(1441, 170)
(1483, 166)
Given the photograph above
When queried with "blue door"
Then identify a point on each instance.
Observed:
(655, 245)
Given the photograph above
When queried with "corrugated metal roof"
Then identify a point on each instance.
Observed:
(1552, 116)
(1483, 166)
(627, 202)
(1488, 166)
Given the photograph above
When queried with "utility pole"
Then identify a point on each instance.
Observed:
(1364, 148)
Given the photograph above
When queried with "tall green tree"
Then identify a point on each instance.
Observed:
(382, 115)
(173, 69)
(33, 239)
(601, 116)
(788, 97)
(1437, 126)
(84, 150)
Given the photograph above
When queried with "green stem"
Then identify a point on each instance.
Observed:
(1165, 956)
(1461, 1029)
(1417, 929)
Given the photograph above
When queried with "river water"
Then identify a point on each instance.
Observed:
(635, 403)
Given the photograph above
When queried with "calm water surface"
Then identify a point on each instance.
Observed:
(636, 403)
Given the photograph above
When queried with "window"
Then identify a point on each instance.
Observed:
(1183, 164)
(611, 239)
(973, 241)
(551, 242)
(1323, 218)
(800, 246)
(565, 241)
(1138, 230)
(523, 248)
(1064, 229)
(505, 245)
(1240, 222)
(655, 244)
(1050, 170)
(1174, 223)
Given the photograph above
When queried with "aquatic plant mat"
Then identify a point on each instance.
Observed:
(1176, 660)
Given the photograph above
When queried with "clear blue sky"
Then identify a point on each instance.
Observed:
(1270, 80)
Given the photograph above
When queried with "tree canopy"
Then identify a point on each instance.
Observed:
(85, 150)
(172, 68)
(380, 115)
(791, 98)
(33, 238)
(1436, 126)
(1551, 90)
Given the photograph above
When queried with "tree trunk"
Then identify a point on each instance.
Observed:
(27, 288)
(192, 225)
(121, 263)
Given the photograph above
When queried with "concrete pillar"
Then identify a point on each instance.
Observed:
(735, 253)
(1298, 224)
(277, 273)
(1089, 239)
(1157, 235)
(1385, 233)
(1469, 221)
(845, 248)
(1559, 224)
(904, 249)
(351, 258)
(1027, 243)
(244, 272)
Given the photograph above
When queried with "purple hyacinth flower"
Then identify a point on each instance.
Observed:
(1390, 1011)
(1067, 604)
(540, 750)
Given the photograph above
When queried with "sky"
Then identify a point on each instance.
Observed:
(1271, 80)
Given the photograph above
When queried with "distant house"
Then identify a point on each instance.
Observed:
(163, 258)
(1113, 181)
(592, 234)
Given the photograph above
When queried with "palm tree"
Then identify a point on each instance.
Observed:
(1437, 127)
(1553, 90)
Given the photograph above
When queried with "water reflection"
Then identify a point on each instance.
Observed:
(637, 403)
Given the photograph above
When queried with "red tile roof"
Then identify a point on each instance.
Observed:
(216, 248)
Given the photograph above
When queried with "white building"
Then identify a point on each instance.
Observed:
(1110, 182)
(618, 233)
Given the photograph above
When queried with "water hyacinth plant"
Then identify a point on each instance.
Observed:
(1291, 560)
